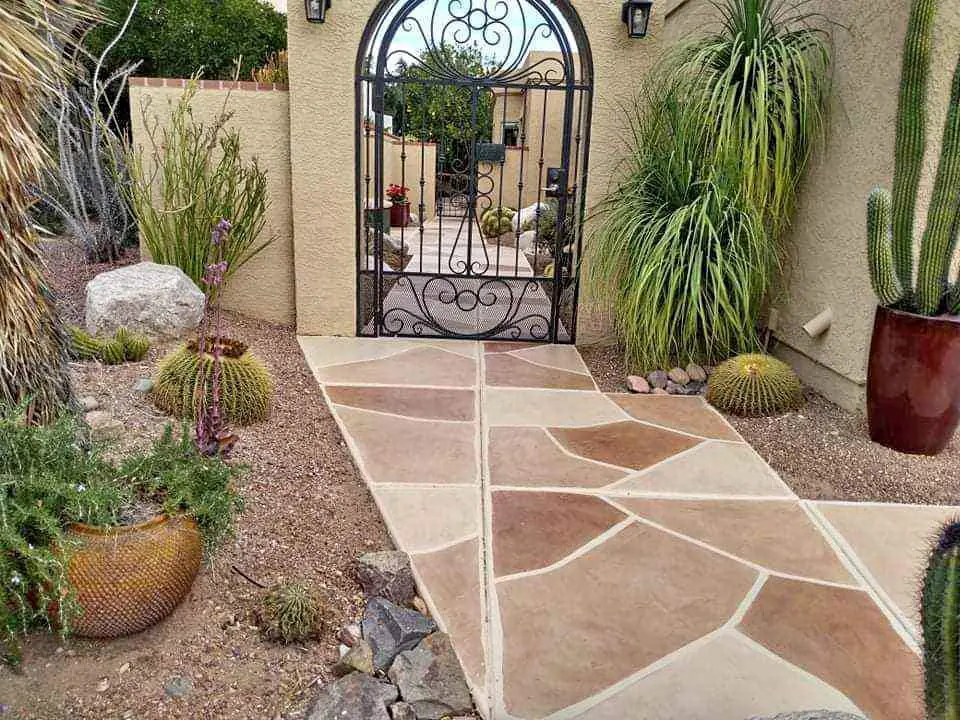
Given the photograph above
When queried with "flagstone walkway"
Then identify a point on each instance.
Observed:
(610, 557)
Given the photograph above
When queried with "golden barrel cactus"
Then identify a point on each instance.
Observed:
(245, 385)
(755, 385)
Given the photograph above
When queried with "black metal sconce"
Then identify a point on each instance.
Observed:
(317, 10)
(636, 16)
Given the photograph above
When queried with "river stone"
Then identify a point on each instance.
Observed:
(157, 300)
(638, 385)
(812, 715)
(387, 575)
(431, 680)
(696, 373)
(391, 630)
(355, 697)
(658, 379)
(359, 658)
(103, 426)
(679, 376)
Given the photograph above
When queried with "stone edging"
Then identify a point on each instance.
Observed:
(208, 84)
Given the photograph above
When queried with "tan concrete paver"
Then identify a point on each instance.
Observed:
(619, 556)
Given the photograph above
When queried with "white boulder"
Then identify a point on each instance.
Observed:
(528, 214)
(528, 240)
(160, 301)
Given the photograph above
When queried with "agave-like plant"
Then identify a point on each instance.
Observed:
(33, 344)
(764, 78)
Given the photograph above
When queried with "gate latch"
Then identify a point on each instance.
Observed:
(556, 182)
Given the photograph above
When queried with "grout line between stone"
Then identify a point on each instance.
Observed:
(383, 413)
(749, 563)
(444, 546)
(858, 569)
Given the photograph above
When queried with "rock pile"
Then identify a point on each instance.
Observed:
(394, 665)
(691, 380)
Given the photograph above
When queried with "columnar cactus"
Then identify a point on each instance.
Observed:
(890, 222)
(940, 618)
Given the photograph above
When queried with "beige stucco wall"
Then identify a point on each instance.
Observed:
(420, 164)
(322, 66)
(264, 287)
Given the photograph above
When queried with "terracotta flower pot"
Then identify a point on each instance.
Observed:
(127, 579)
(913, 389)
(400, 215)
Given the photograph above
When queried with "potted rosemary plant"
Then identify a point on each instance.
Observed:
(913, 388)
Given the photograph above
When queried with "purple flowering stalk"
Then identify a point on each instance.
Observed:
(213, 437)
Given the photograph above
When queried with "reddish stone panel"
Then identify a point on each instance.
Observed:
(626, 444)
(533, 530)
(424, 403)
(509, 371)
(689, 414)
(843, 638)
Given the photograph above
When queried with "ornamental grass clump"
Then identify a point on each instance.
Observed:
(189, 175)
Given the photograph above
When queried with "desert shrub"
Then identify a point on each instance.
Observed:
(51, 476)
(245, 386)
(275, 70)
(293, 612)
(175, 38)
(188, 176)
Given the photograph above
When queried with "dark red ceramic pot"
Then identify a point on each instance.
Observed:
(400, 215)
(913, 389)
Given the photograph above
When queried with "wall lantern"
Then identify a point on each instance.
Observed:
(636, 16)
(317, 10)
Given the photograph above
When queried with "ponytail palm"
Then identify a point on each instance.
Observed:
(678, 248)
(764, 79)
(33, 346)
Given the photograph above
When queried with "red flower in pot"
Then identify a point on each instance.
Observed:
(400, 209)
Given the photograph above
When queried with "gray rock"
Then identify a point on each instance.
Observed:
(812, 715)
(387, 575)
(673, 388)
(359, 658)
(391, 630)
(402, 711)
(638, 385)
(89, 403)
(679, 376)
(178, 687)
(355, 697)
(103, 426)
(694, 387)
(157, 300)
(431, 680)
(658, 379)
(696, 373)
(143, 386)
(349, 634)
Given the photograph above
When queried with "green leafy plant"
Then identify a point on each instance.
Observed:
(677, 247)
(940, 621)
(175, 38)
(293, 612)
(890, 219)
(33, 343)
(755, 385)
(189, 176)
(51, 476)
(763, 78)
(245, 387)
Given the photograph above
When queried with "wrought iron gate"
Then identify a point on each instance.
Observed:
(481, 110)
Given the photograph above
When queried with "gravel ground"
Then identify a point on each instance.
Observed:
(307, 517)
(824, 452)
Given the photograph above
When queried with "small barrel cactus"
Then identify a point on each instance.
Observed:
(124, 346)
(84, 346)
(245, 384)
(940, 619)
(293, 612)
(135, 345)
(112, 353)
(497, 221)
(755, 385)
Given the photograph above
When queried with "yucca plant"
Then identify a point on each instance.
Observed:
(763, 78)
(677, 246)
(33, 343)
